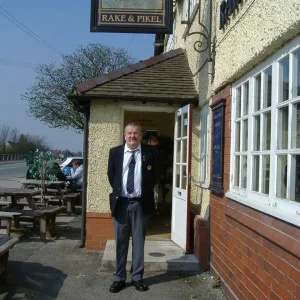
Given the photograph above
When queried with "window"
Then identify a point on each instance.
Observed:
(188, 9)
(204, 131)
(265, 163)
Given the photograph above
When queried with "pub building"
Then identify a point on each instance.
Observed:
(222, 94)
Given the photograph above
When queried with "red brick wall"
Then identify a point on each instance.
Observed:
(256, 255)
(201, 241)
(99, 229)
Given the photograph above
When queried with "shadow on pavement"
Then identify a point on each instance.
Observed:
(43, 280)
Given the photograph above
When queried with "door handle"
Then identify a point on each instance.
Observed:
(179, 193)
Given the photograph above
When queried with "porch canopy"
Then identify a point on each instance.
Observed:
(165, 78)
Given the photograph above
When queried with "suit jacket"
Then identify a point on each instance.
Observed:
(149, 176)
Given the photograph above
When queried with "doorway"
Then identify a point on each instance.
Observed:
(159, 125)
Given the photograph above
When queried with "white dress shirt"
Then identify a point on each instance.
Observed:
(137, 192)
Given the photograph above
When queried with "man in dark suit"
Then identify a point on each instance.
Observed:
(132, 174)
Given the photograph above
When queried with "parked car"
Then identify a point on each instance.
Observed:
(66, 165)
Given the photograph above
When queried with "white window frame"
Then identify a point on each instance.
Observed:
(189, 4)
(281, 208)
(203, 146)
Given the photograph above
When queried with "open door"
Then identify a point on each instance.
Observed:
(180, 232)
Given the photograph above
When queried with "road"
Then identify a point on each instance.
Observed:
(11, 172)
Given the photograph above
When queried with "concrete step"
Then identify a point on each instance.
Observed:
(160, 256)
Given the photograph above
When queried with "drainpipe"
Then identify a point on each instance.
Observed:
(85, 172)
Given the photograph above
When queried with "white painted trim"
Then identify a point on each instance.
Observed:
(121, 129)
(265, 208)
(284, 209)
(149, 108)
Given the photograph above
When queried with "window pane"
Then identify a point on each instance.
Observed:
(256, 136)
(281, 176)
(295, 178)
(297, 79)
(179, 126)
(238, 102)
(178, 151)
(265, 174)
(257, 93)
(177, 177)
(184, 178)
(184, 151)
(255, 174)
(237, 136)
(268, 88)
(284, 79)
(185, 125)
(237, 171)
(245, 136)
(296, 126)
(267, 131)
(244, 172)
(246, 99)
(283, 118)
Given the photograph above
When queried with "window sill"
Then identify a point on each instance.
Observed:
(266, 208)
(203, 185)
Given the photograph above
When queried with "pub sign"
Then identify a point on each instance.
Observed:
(137, 16)
(216, 184)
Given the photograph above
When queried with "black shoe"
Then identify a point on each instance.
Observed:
(140, 285)
(117, 286)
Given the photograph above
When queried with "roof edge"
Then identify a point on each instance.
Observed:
(113, 75)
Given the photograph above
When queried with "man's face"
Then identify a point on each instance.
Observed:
(75, 166)
(133, 136)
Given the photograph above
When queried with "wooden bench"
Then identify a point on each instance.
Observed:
(6, 243)
(8, 217)
(46, 217)
(70, 200)
(47, 221)
(47, 198)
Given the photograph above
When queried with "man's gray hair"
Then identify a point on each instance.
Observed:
(133, 124)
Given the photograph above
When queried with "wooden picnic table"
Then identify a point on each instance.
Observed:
(15, 193)
(52, 184)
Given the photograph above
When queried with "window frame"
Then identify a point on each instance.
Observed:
(204, 137)
(287, 210)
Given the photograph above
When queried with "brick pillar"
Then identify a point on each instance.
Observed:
(99, 229)
(201, 241)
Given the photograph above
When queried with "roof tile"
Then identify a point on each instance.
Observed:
(165, 76)
(86, 85)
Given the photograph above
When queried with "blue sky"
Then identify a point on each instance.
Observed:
(65, 25)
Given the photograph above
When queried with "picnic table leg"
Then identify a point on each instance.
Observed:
(47, 224)
(8, 226)
(31, 202)
(17, 221)
(69, 207)
(60, 195)
(43, 227)
(13, 201)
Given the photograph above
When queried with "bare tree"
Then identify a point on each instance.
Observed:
(14, 135)
(4, 134)
(47, 97)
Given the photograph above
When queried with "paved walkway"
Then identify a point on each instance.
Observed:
(58, 269)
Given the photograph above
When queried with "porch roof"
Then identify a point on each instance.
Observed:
(164, 78)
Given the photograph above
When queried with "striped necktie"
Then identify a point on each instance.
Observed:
(130, 178)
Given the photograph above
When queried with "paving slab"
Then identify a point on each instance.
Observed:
(160, 256)
(59, 269)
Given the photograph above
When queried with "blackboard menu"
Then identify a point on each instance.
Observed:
(216, 184)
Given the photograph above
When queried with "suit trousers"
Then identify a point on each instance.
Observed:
(129, 220)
